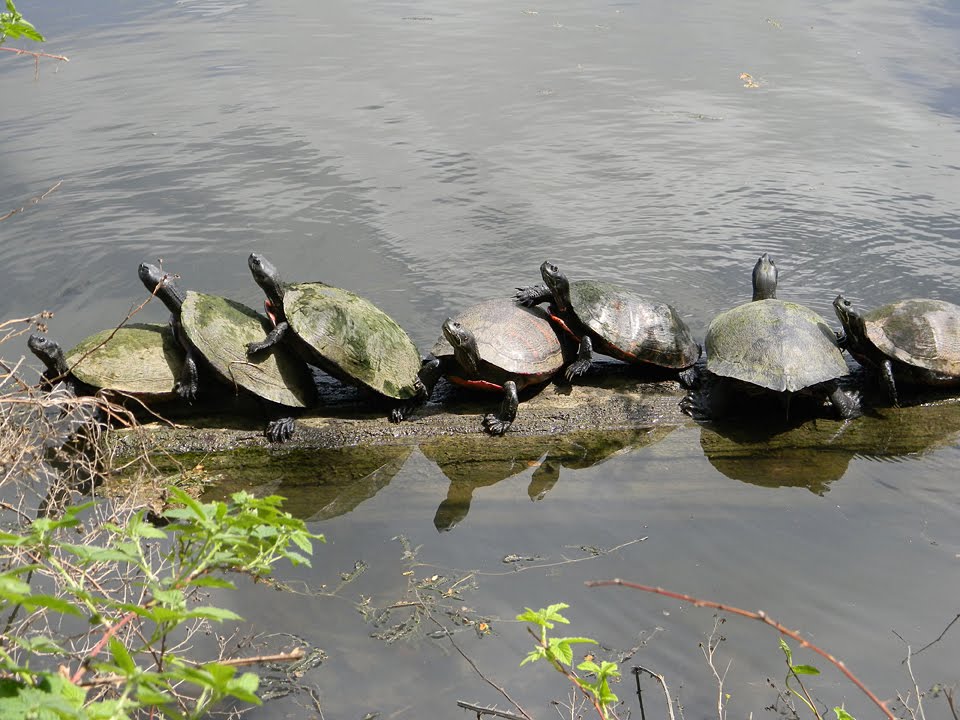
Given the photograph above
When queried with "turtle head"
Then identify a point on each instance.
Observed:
(765, 279)
(161, 284)
(464, 345)
(558, 284)
(850, 319)
(267, 277)
(49, 352)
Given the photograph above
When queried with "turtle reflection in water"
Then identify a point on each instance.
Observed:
(472, 463)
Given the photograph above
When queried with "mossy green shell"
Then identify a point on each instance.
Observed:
(220, 329)
(354, 335)
(633, 327)
(774, 344)
(140, 359)
(922, 333)
(517, 339)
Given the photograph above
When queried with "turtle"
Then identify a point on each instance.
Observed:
(615, 321)
(914, 341)
(495, 345)
(140, 360)
(342, 333)
(778, 346)
(218, 330)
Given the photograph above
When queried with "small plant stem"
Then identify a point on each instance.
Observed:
(760, 616)
(570, 676)
(38, 198)
(663, 684)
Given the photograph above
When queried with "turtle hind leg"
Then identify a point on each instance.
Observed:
(498, 424)
(847, 404)
(583, 361)
(886, 373)
(279, 431)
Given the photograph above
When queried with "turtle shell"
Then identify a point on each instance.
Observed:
(632, 327)
(922, 333)
(516, 339)
(220, 329)
(774, 344)
(139, 359)
(354, 335)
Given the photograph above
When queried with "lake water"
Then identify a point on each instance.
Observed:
(427, 155)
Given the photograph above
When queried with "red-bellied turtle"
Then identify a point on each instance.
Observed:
(613, 320)
(343, 333)
(218, 330)
(915, 341)
(495, 345)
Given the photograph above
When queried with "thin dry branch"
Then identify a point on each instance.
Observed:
(637, 669)
(761, 617)
(34, 200)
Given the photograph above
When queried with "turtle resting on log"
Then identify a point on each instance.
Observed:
(911, 341)
(497, 346)
(774, 346)
(615, 321)
(344, 334)
(139, 360)
(216, 331)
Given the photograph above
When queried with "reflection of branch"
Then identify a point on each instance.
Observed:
(566, 561)
(762, 617)
(33, 200)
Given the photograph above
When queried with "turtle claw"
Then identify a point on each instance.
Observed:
(532, 295)
(279, 431)
(494, 425)
(576, 369)
(187, 390)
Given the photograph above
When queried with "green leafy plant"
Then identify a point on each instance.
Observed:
(558, 651)
(13, 25)
(130, 593)
(794, 672)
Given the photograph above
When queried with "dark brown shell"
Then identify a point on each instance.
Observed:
(220, 330)
(519, 340)
(632, 326)
(775, 345)
(922, 333)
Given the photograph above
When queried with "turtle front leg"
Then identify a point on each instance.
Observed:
(533, 295)
(430, 371)
(272, 338)
(847, 404)
(583, 361)
(498, 424)
(188, 383)
(886, 372)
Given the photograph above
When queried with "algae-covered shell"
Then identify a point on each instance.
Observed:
(355, 337)
(778, 345)
(922, 333)
(220, 330)
(139, 359)
(632, 327)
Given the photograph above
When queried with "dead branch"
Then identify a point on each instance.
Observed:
(488, 711)
(761, 617)
(34, 200)
(940, 636)
(637, 669)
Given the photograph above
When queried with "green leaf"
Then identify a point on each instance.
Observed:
(122, 657)
(213, 613)
(842, 714)
(804, 670)
(64, 607)
(212, 582)
(561, 651)
(786, 651)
